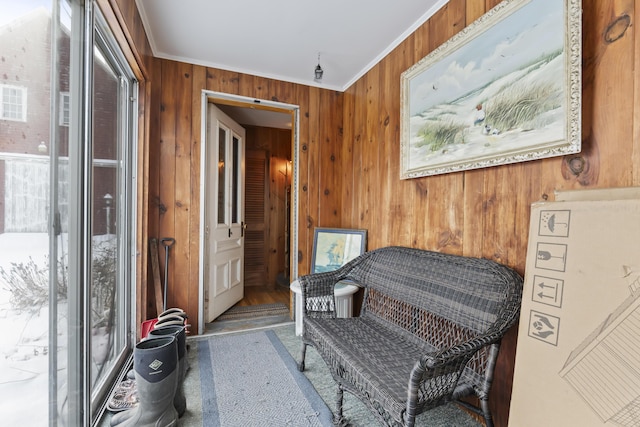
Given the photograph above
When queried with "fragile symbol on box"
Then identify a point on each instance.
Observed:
(544, 327)
(551, 256)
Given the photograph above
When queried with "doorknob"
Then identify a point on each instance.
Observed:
(243, 226)
(230, 233)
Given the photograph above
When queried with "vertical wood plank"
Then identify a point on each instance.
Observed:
(179, 253)
(153, 220)
(473, 181)
(305, 230)
(329, 141)
(635, 150)
(198, 83)
(167, 178)
(347, 173)
(313, 168)
(222, 80)
(370, 155)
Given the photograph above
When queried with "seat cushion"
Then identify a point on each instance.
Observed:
(365, 355)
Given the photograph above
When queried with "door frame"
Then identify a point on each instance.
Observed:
(208, 96)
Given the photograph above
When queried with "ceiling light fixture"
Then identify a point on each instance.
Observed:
(318, 71)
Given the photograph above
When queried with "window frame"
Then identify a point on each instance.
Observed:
(22, 106)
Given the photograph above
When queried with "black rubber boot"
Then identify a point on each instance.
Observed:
(155, 364)
(179, 401)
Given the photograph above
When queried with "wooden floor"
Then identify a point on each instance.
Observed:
(255, 295)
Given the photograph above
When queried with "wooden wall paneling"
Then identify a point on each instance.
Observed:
(473, 218)
(359, 202)
(369, 191)
(447, 208)
(167, 180)
(439, 196)
(179, 254)
(123, 19)
(281, 91)
(253, 86)
(635, 136)
(420, 219)
(313, 169)
(388, 124)
(198, 82)
(281, 154)
(417, 44)
(347, 172)
(473, 213)
(222, 81)
(446, 22)
(528, 190)
(502, 245)
(329, 142)
(490, 3)
(153, 176)
(415, 188)
(304, 228)
(610, 115)
(401, 207)
(474, 10)
(496, 199)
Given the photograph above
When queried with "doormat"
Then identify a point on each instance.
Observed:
(252, 311)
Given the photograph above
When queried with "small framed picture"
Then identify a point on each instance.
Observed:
(334, 247)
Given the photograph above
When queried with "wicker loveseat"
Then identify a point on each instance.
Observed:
(428, 332)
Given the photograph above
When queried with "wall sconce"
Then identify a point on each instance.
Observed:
(318, 71)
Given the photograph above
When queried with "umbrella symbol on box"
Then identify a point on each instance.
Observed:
(556, 223)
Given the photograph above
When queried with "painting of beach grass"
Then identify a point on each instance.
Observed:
(505, 89)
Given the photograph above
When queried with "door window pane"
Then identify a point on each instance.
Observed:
(235, 193)
(222, 174)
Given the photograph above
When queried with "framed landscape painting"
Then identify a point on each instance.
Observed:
(505, 89)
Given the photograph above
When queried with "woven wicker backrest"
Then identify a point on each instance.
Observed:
(422, 291)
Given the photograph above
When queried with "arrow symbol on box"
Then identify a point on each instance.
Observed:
(542, 285)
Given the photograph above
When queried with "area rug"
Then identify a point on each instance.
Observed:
(250, 311)
(250, 379)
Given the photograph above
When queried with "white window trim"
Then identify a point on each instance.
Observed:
(24, 103)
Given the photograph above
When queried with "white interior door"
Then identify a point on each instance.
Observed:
(224, 214)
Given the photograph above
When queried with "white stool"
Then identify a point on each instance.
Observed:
(343, 293)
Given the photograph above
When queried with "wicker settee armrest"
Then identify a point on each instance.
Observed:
(318, 298)
(435, 376)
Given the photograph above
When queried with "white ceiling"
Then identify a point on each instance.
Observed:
(281, 39)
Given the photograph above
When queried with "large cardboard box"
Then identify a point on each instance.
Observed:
(578, 354)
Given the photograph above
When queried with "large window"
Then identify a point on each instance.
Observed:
(67, 228)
